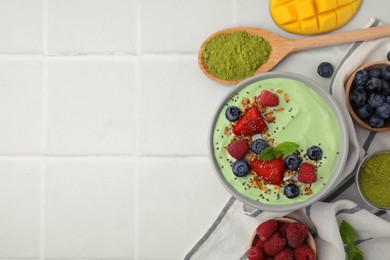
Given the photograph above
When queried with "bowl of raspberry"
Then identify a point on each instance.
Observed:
(278, 142)
(367, 93)
(282, 238)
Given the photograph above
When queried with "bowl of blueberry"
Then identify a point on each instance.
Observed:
(368, 96)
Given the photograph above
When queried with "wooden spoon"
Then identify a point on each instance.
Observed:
(281, 47)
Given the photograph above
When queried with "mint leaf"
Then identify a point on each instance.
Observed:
(287, 148)
(348, 236)
(354, 253)
(277, 153)
(347, 233)
(267, 154)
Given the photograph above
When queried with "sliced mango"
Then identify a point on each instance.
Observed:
(312, 16)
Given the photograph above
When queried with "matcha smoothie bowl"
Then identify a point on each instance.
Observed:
(278, 142)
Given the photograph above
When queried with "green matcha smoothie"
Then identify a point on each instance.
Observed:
(302, 117)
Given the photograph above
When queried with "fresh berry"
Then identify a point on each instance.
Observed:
(240, 168)
(358, 96)
(385, 88)
(283, 228)
(374, 84)
(296, 234)
(388, 99)
(376, 100)
(364, 111)
(274, 244)
(361, 77)
(291, 190)
(255, 253)
(286, 254)
(259, 145)
(259, 243)
(314, 153)
(388, 56)
(375, 73)
(386, 73)
(376, 122)
(307, 173)
(268, 99)
(238, 149)
(250, 123)
(266, 229)
(232, 113)
(271, 171)
(304, 252)
(383, 111)
(291, 162)
(325, 69)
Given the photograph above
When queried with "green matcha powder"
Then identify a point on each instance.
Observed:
(235, 56)
(374, 180)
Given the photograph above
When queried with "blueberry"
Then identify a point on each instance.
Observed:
(376, 121)
(388, 56)
(388, 99)
(258, 146)
(232, 113)
(291, 190)
(358, 96)
(374, 84)
(376, 100)
(325, 69)
(292, 162)
(386, 73)
(314, 153)
(361, 77)
(364, 111)
(385, 88)
(375, 73)
(383, 111)
(240, 168)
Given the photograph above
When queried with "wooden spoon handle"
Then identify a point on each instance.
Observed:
(341, 38)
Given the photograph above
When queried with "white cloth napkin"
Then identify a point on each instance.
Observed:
(230, 234)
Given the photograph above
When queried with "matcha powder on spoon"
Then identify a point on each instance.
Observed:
(235, 56)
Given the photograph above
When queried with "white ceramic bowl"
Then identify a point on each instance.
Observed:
(332, 175)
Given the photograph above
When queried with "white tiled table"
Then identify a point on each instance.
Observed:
(104, 119)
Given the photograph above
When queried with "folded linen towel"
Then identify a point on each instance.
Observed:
(230, 234)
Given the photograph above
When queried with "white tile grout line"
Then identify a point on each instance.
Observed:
(97, 56)
(72, 157)
(45, 86)
(136, 238)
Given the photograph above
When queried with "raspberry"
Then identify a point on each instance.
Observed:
(283, 229)
(238, 149)
(306, 173)
(266, 229)
(285, 254)
(304, 252)
(296, 233)
(257, 242)
(255, 253)
(274, 244)
(268, 99)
